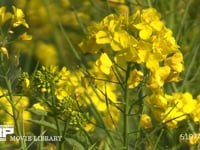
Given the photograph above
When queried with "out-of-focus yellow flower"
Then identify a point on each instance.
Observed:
(4, 51)
(42, 49)
(145, 121)
(38, 106)
(4, 16)
(18, 18)
(90, 126)
(104, 99)
(104, 63)
(25, 37)
(94, 47)
(26, 83)
(61, 93)
(135, 78)
(21, 103)
(193, 139)
(50, 146)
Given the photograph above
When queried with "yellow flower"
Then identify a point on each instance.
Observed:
(103, 37)
(135, 78)
(4, 16)
(111, 23)
(176, 62)
(145, 31)
(195, 114)
(4, 51)
(152, 62)
(18, 18)
(122, 40)
(157, 78)
(25, 37)
(172, 116)
(157, 25)
(193, 139)
(158, 100)
(20, 103)
(38, 106)
(26, 83)
(104, 63)
(102, 99)
(145, 121)
(61, 93)
(91, 125)
(143, 49)
(42, 49)
(184, 102)
(149, 15)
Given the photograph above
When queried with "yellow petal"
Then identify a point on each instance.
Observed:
(145, 33)
(25, 37)
(104, 63)
(102, 37)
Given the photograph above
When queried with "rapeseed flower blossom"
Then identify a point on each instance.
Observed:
(155, 46)
(104, 63)
(143, 40)
(25, 37)
(145, 121)
(171, 109)
(18, 18)
(4, 51)
(42, 49)
(135, 78)
(4, 16)
(172, 116)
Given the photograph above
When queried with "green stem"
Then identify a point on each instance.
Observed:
(158, 140)
(172, 15)
(126, 109)
(149, 3)
(59, 131)
(189, 68)
(41, 144)
(15, 113)
(61, 143)
(183, 20)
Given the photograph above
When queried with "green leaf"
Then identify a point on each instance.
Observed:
(38, 111)
(44, 123)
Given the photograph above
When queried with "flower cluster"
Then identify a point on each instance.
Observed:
(9, 22)
(141, 38)
(144, 41)
(171, 109)
(57, 92)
